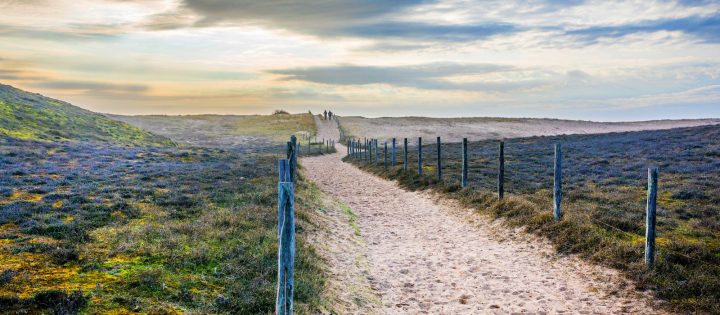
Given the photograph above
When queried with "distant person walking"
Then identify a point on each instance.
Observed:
(330, 114)
(325, 114)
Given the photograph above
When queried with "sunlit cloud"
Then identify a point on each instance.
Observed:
(566, 58)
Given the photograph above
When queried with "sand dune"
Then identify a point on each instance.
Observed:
(454, 129)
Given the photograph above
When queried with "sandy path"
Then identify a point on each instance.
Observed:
(427, 257)
(327, 129)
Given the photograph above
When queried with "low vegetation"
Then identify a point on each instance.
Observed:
(605, 180)
(32, 116)
(113, 229)
(248, 133)
(101, 217)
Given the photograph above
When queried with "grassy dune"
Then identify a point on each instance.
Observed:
(32, 116)
(604, 200)
(241, 132)
(92, 225)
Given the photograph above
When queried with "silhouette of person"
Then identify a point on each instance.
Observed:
(325, 114)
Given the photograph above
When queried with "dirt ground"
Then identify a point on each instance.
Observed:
(454, 129)
(426, 254)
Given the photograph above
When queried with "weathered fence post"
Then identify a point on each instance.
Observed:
(405, 155)
(377, 151)
(286, 241)
(370, 145)
(439, 160)
(501, 171)
(464, 180)
(650, 218)
(293, 159)
(419, 156)
(363, 148)
(386, 157)
(393, 153)
(557, 187)
(367, 150)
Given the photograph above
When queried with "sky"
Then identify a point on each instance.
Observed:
(573, 59)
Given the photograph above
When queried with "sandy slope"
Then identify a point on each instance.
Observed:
(454, 129)
(428, 255)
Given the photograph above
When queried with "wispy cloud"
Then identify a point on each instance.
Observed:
(434, 76)
(57, 35)
(91, 86)
(707, 29)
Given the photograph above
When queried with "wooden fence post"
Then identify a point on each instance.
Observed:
(464, 180)
(650, 217)
(363, 149)
(501, 171)
(293, 159)
(393, 153)
(439, 160)
(557, 187)
(370, 143)
(405, 155)
(377, 151)
(286, 242)
(386, 157)
(366, 153)
(419, 156)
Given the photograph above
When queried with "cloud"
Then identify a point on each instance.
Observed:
(699, 95)
(91, 86)
(434, 76)
(306, 15)
(705, 28)
(348, 18)
(57, 35)
(426, 31)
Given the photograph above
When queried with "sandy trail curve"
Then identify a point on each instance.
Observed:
(427, 255)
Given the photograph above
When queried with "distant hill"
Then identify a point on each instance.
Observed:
(28, 115)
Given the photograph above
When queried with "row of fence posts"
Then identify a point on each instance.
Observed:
(287, 171)
(326, 144)
(359, 151)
